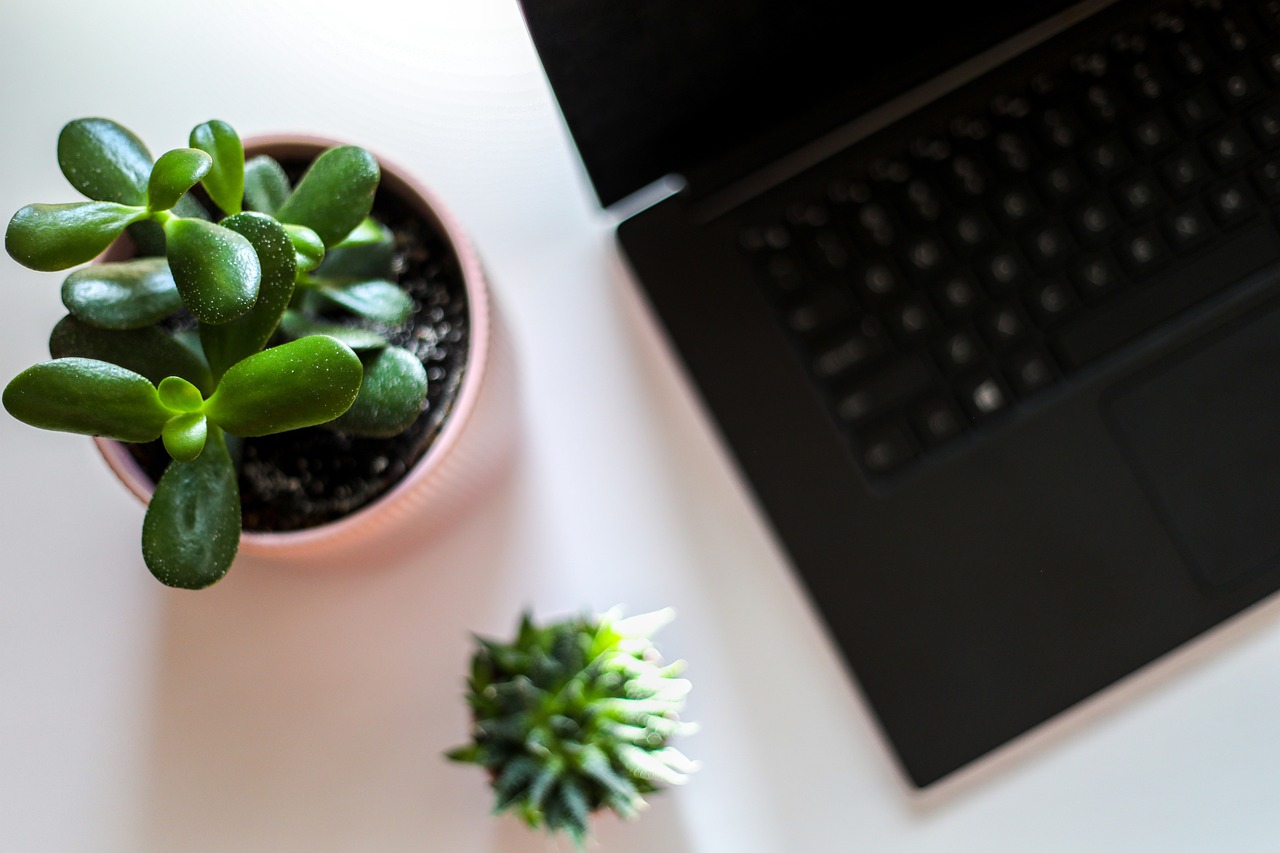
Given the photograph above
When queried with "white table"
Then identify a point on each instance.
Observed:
(284, 710)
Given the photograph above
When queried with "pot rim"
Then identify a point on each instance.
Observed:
(479, 309)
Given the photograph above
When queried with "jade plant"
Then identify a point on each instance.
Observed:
(574, 717)
(247, 307)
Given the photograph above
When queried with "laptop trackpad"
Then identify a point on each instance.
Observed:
(1203, 435)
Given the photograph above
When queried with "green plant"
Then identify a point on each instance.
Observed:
(215, 330)
(575, 717)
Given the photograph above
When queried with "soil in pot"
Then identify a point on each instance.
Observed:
(305, 478)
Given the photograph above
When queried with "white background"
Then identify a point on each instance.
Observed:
(293, 710)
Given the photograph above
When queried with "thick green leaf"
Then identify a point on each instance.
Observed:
(126, 295)
(49, 237)
(307, 246)
(391, 395)
(149, 351)
(192, 529)
(298, 325)
(335, 194)
(298, 384)
(380, 301)
(173, 174)
(179, 396)
(366, 253)
(266, 186)
(104, 161)
(225, 181)
(89, 397)
(215, 268)
(184, 435)
(228, 343)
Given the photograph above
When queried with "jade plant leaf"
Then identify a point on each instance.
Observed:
(391, 396)
(49, 237)
(216, 269)
(173, 174)
(179, 395)
(148, 235)
(225, 181)
(266, 186)
(299, 384)
(192, 529)
(366, 253)
(380, 301)
(150, 351)
(298, 325)
(335, 194)
(89, 397)
(184, 435)
(104, 161)
(126, 295)
(307, 246)
(226, 344)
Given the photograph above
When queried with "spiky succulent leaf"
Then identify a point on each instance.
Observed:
(575, 717)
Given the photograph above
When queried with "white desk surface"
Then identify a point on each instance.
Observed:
(289, 711)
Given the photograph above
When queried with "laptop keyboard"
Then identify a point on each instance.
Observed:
(954, 280)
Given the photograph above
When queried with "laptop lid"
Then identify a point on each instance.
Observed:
(716, 89)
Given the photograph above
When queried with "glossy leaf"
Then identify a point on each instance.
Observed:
(380, 301)
(225, 181)
(173, 174)
(298, 325)
(104, 161)
(126, 295)
(266, 186)
(391, 395)
(226, 344)
(335, 194)
(49, 237)
(179, 395)
(89, 397)
(307, 247)
(366, 253)
(298, 384)
(149, 351)
(184, 435)
(192, 529)
(216, 269)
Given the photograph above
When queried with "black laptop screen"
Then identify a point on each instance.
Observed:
(654, 87)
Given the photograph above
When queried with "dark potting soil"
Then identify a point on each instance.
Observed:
(307, 477)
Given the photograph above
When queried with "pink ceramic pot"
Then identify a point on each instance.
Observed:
(476, 439)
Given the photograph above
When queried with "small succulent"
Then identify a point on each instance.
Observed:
(575, 717)
(257, 353)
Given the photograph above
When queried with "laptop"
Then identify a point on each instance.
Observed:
(983, 298)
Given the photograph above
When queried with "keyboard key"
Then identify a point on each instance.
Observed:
(825, 309)
(1139, 198)
(782, 275)
(1230, 203)
(874, 225)
(912, 320)
(958, 351)
(921, 258)
(888, 387)
(1265, 124)
(1108, 159)
(886, 448)
(1267, 179)
(1061, 183)
(1184, 173)
(1047, 246)
(856, 350)
(1052, 301)
(1143, 253)
(1241, 88)
(1097, 276)
(831, 252)
(1197, 109)
(938, 420)
(1004, 325)
(967, 230)
(1094, 222)
(1015, 207)
(984, 395)
(1181, 287)
(956, 296)
(1002, 270)
(1152, 136)
(1229, 148)
(1030, 370)
(878, 281)
(1187, 228)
